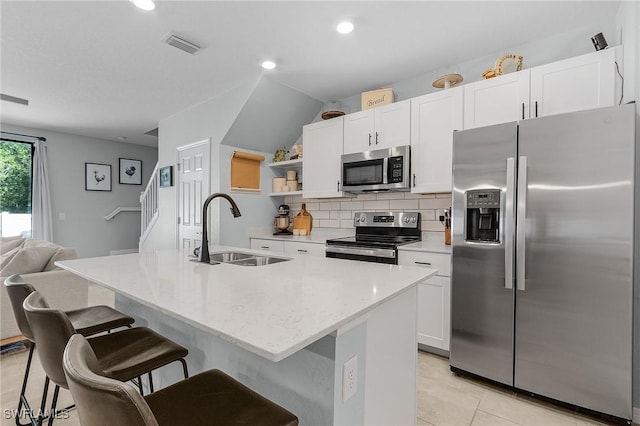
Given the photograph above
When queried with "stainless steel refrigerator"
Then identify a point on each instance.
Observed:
(542, 256)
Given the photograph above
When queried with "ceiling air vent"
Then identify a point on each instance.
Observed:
(181, 43)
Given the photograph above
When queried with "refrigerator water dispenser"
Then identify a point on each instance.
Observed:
(483, 216)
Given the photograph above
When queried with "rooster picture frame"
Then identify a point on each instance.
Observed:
(97, 177)
(130, 171)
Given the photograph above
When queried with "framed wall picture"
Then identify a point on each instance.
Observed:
(97, 177)
(130, 172)
(166, 176)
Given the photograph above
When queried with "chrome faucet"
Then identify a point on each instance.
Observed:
(204, 248)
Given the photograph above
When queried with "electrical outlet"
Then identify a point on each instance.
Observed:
(440, 214)
(349, 378)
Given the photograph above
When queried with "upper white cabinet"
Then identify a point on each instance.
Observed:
(496, 100)
(434, 117)
(383, 127)
(584, 82)
(322, 142)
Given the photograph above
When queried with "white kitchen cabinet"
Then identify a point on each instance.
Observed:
(583, 82)
(377, 128)
(264, 244)
(434, 117)
(575, 84)
(496, 100)
(301, 247)
(434, 298)
(322, 142)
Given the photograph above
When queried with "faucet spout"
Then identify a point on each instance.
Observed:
(204, 248)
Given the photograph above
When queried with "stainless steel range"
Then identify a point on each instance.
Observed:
(378, 235)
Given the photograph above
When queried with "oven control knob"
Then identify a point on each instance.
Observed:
(413, 219)
(363, 219)
(406, 219)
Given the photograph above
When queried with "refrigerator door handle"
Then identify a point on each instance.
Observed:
(509, 223)
(520, 220)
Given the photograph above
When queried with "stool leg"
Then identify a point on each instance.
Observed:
(184, 368)
(150, 382)
(140, 385)
(23, 398)
(54, 402)
(45, 391)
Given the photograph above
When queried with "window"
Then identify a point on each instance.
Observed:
(16, 177)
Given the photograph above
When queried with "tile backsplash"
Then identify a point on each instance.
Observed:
(338, 212)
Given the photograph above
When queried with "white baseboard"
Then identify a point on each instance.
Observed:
(636, 415)
(125, 251)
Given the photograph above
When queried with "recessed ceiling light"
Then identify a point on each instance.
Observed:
(344, 27)
(144, 4)
(268, 65)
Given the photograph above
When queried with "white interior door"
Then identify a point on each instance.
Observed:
(193, 187)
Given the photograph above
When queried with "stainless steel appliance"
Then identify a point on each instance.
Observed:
(378, 235)
(542, 257)
(378, 170)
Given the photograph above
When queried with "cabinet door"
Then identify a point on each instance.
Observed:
(270, 245)
(358, 132)
(392, 125)
(322, 142)
(497, 100)
(434, 117)
(434, 322)
(583, 82)
(297, 247)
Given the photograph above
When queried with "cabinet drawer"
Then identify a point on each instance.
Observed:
(271, 245)
(304, 248)
(439, 261)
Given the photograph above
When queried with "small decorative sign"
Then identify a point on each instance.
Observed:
(97, 177)
(130, 172)
(166, 176)
(376, 98)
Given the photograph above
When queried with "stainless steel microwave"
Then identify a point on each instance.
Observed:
(378, 170)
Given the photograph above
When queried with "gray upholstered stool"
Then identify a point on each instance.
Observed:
(209, 398)
(86, 321)
(123, 355)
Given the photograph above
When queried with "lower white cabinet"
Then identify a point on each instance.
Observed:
(434, 298)
(296, 247)
(263, 244)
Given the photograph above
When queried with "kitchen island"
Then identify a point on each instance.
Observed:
(284, 329)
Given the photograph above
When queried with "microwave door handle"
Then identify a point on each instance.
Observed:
(385, 165)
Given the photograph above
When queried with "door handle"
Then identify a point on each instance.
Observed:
(414, 180)
(520, 223)
(338, 186)
(376, 138)
(536, 109)
(422, 263)
(369, 139)
(508, 223)
(302, 251)
(523, 110)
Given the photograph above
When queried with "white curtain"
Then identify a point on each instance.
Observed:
(42, 227)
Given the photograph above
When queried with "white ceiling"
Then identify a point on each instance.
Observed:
(100, 68)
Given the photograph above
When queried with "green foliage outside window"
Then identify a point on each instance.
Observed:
(15, 177)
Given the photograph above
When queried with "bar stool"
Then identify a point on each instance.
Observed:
(123, 355)
(86, 321)
(209, 398)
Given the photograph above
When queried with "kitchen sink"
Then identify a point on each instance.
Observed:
(243, 259)
(259, 261)
(229, 256)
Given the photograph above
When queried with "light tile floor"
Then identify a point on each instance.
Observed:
(443, 398)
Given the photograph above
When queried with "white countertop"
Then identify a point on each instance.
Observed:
(431, 245)
(317, 236)
(273, 310)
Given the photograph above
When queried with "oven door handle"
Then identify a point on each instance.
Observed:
(361, 251)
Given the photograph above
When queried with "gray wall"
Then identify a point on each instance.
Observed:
(84, 227)
(258, 210)
(209, 120)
